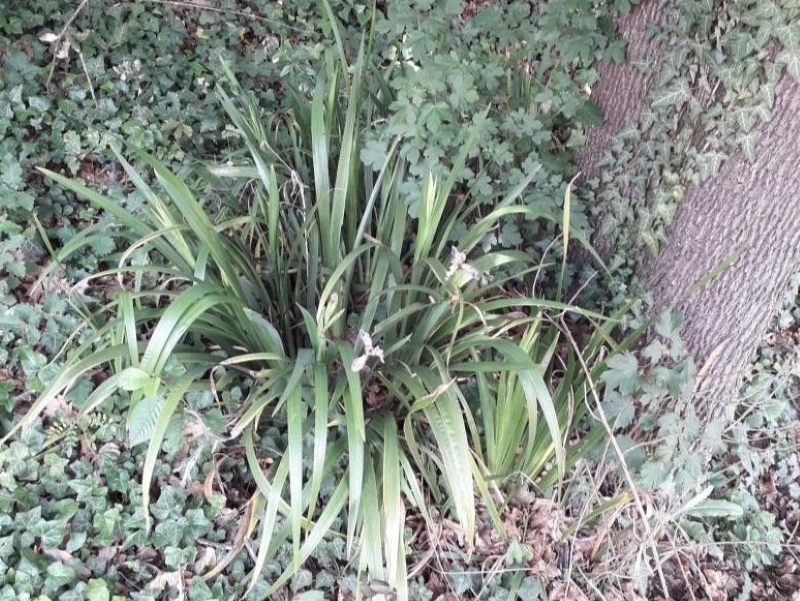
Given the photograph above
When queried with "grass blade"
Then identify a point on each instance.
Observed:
(356, 436)
(166, 411)
(394, 515)
(447, 426)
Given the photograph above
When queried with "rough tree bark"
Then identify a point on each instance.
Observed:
(746, 218)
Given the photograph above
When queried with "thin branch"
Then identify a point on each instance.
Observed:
(57, 43)
(88, 78)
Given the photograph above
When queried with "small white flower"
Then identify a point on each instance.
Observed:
(458, 264)
(358, 363)
(370, 350)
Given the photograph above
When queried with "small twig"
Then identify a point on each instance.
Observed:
(57, 43)
(88, 79)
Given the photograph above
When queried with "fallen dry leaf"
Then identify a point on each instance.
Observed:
(205, 560)
(567, 591)
(57, 554)
(172, 580)
(106, 554)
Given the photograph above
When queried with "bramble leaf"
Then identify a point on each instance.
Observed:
(623, 373)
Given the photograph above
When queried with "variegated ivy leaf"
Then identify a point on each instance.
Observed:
(675, 95)
(709, 163)
(747, 142)
(791, 58)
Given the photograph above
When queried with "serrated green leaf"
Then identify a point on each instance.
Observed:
(11, 173)
(589, 113)
(72, 143)
(653, 475)
(622, 373)
(374, 153)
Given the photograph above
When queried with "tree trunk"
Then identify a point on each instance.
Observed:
(736, 235)
(744, 224)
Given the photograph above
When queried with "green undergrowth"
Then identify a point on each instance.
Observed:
(71, 531)
(137, 73)
(315, 295)
(760, 468)
(402, 364)
(389, 350)
(142, 74)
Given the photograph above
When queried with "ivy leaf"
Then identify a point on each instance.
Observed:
(747, 142)
(791, 58)
(197, 524)
(83, 488)
(28, 520)
(461, 581)
(764, 111)
(6, 546)
(60, 574)
(168, 533)
(745, 118)
(790, 39)
(740, 44)
(97, 590)
(105, 524)
(674, 95)
(709, 163)
(76, 540)
(72, 143)
(49, 532)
